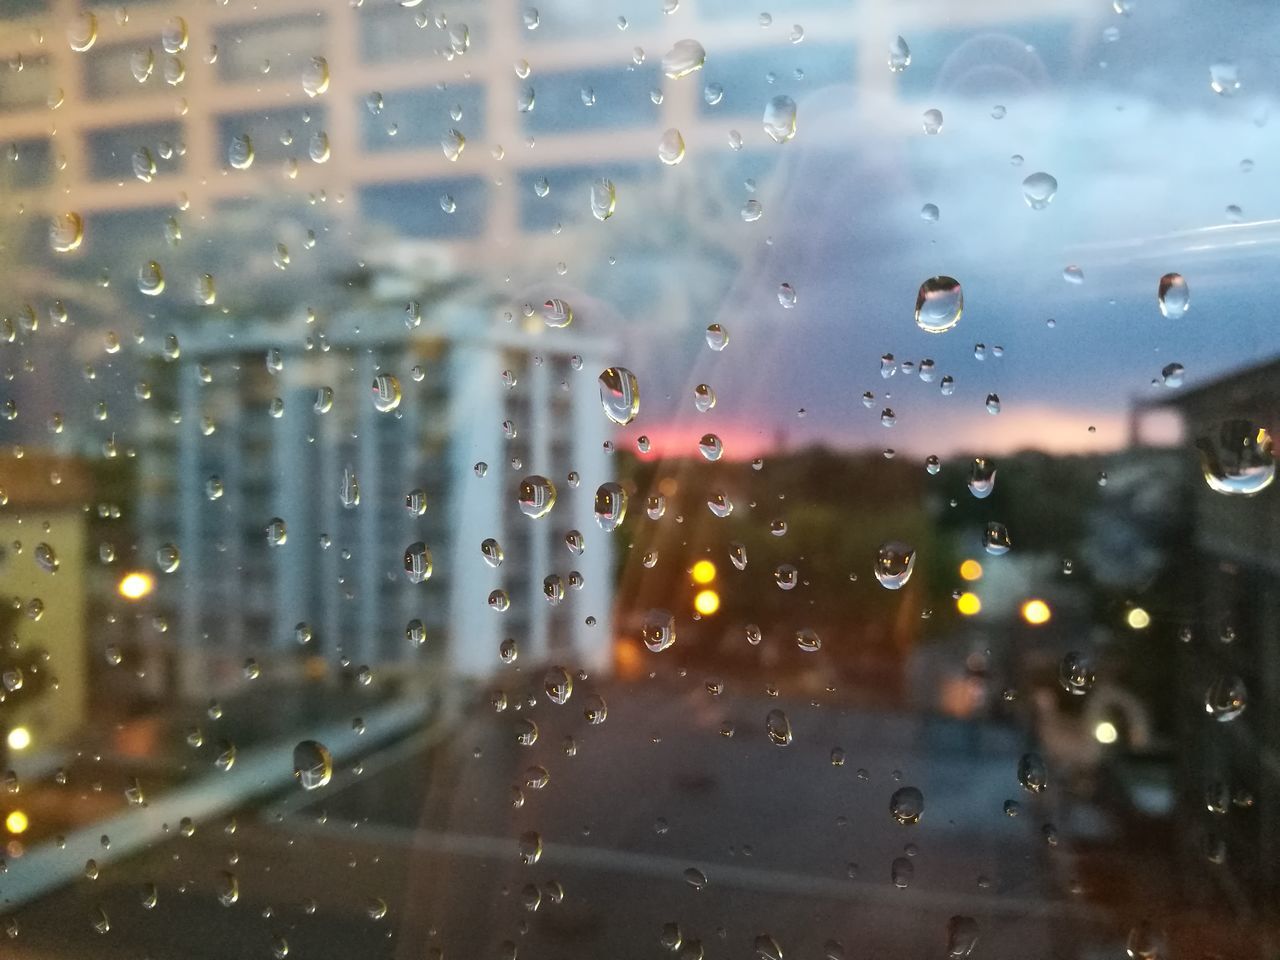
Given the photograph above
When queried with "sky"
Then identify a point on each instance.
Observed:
(1148, 159)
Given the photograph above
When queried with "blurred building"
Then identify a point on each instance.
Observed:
(184, 88)
(1229, 772)
(44, 582)
(292, 433)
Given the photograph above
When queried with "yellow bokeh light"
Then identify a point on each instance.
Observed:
(704, 571)
(1036, 612)
(135, 586)
(19, 738)
(1138, 619)
(16, 822)
(971, 570)
(1105, 732)
(706, 602)
(968, 603)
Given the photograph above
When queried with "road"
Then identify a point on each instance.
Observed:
(791, 845)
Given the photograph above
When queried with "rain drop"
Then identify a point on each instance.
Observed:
(1173, 296)
(312, 764)
(1237, 458)
(939, 304)
(780, 119)
(895, 562)
(1038, 190)
(619, 395)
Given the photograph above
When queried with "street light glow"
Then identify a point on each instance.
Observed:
(1036, 612)
(136, 585)
(19, 738)
(1105, 732)
(704, 571)
(1138, 619)
(16, 822)
(968, 604)
(706, 602)
(971, 570)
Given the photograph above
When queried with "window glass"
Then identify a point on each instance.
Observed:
(415, 118)
(561, 480)
(26, 83)
(263, 51)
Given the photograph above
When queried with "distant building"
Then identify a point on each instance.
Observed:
(213, 484)
(1230, 772)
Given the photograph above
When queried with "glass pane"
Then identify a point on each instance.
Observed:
(551, 480)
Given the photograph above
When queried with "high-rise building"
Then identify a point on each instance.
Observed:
(340, 503)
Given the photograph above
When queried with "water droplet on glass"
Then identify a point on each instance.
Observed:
(1073, 274)
(240, 153)
(619, 394)
(151, 279)
(1237, 458)
(962, 936)
(1032, 773)
(557, 313)
(277, 532)
(452, 144)
(780, 119)
(349, 488)
(719, 504)
(530, 847)
(83, 32)
(671, 147)
(1076, 674)
(558, 685)
(142, 64)
(1226, 698)
(995, 539)
(417, 562)
(982, 478)
(899, 55)
(895, 562)
(717, 337)
(704, 398)
(1173, 296)
(993, 403)
(808, 640)
(939, 304)
(315, 77)
(929, 213)
(318, 147)
(66, 231)
(1038, 190)
(684, 57)
(386, 392)
(1224, 79)
(907, 805)
(144, 165)
(658, 630)
(604, 197)
(1171, 375)
(46, 558)
(610, 505)
(312, 764)
(778, 728)
(536, 496)
(491, 550)
(167, 556)
(656, 506)
(932, 122)
(415, 631)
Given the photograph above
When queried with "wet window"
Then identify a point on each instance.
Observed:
(559, 480)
